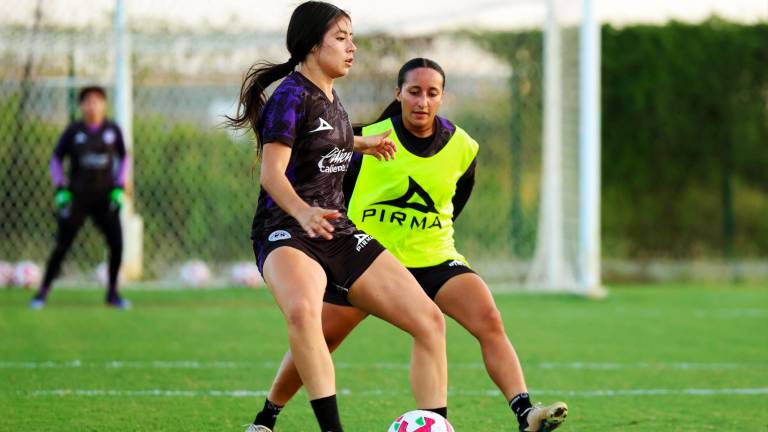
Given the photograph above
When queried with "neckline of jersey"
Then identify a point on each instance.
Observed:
(403, 136)
(316, 87)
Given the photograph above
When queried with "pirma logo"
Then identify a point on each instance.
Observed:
(415, 198)
(426, 206)
(323, 126)
(456, 263)
(279, 235)
(362, 241)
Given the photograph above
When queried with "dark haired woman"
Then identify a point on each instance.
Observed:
(93, 188)
(410, 205)
(302, 238)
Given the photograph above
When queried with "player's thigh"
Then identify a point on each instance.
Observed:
(69, 221)
(296, 281)
(467, 299)
(107, 220)
(389, 291)
(339, 321)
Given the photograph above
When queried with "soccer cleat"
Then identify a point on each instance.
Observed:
(257, 428)
(119, 303)
(542, 418)
(36, 304)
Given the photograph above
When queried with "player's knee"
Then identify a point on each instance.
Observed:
(488, 323)
(431, 323)
(301, 315)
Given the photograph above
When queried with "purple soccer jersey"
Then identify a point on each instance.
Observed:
(299, 115)
(93, 154)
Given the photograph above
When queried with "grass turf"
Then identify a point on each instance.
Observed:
(661, 357)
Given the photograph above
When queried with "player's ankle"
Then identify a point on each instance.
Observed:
(521, 405)
(268, 414)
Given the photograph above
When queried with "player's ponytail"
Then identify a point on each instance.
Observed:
(252, 97)
(395, 108)
(309, 22)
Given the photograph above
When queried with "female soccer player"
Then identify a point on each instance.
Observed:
(410, 204)
(94, 188)
(302, 238)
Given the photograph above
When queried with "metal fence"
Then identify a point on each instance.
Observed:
(195, 185)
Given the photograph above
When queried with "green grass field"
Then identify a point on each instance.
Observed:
(647, 358)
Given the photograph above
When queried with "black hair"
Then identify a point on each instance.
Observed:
(395, 108)
(309, 22)
(85, 91)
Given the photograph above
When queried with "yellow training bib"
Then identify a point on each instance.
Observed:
(406, 204)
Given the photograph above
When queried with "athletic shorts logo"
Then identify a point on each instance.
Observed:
(362, 241)
(456, 263)
(323, 126)
(337, 160)
(279, 235)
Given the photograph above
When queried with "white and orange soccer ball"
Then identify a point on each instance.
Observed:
(6, 274)
(26, 274)
(420, 421)
(195, 273)
(246, 274)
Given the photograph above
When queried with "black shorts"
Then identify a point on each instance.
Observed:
(344, 258)
(431, 279)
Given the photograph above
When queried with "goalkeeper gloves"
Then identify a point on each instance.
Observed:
(116, 198)
(63, 197)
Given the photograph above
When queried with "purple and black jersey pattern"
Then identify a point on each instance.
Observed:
(93, 152)
(299, 115)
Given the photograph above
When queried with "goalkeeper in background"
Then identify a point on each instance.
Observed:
(94, 187)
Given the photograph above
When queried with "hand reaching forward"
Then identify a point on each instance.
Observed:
(379, 145)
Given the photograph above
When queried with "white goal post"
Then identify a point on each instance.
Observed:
(567, 256)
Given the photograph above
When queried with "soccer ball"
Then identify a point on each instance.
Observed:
(6, 274)
(195, 273)
(245, 274)
(420, 421)
(26, 274)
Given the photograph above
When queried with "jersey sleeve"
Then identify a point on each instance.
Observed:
(283, 116)
(119, 142)
(464, 187)
(56, 167)
(64, 144)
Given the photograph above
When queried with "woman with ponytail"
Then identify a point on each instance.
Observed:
(302, 238)
(409, 205)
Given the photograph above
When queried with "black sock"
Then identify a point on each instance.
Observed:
(520, 405)
(327, 414)
(112, 292)
(268, 415)
(42, 293)
(442, 411)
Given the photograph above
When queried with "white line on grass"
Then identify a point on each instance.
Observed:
(193, 364)
(760, 391)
